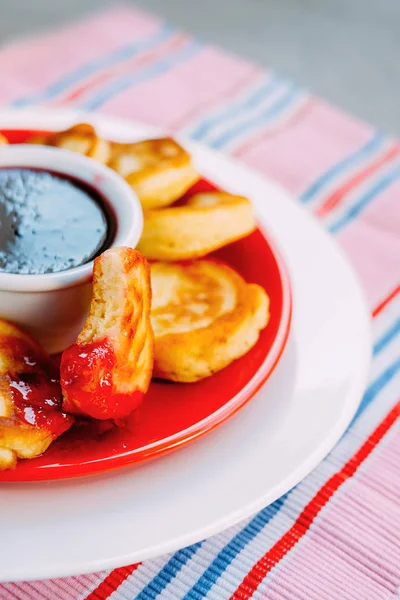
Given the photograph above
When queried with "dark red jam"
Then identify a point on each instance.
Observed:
(87, 379)
(35, 387)
(48, 222)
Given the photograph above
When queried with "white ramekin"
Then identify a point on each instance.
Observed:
(54, 306)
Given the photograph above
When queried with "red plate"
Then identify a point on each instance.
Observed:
(171, 414)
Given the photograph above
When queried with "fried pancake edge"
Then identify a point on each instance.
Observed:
(195, 229)
(194, 355)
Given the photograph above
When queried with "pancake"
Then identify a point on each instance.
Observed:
(106, 372)
(204, 316)
(81, 138)
(159, 170)
(30, 398)
(204, 223)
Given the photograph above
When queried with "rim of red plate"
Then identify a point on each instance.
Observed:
(205, 425)
(200, 428)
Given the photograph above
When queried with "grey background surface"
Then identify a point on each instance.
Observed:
(347, 51)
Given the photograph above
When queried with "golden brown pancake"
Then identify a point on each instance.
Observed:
(81, 138)
(106, 372)
(204, 223)
(159, 170)
(30, 398)
(204, 316)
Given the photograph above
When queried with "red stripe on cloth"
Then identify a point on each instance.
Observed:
(275, 128)
(146, 59)
(341, 192)
(111, 582)
(302, 524)
(386, 301)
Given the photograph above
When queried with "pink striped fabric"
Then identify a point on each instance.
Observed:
(336, 535)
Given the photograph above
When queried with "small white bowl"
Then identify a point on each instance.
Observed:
(53, 306)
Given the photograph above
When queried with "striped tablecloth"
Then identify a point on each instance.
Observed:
(337, 534)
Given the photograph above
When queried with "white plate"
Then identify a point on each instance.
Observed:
(82, 525)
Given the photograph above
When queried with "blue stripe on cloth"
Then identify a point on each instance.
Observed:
(232, 549)
(233, 109)
(170, 570)
(377, 385)
(94, 66)
(387, 337)
(354, 210)
(158, 68)
(350, 161)
(269, 115)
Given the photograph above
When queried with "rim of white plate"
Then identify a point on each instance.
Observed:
(352, 397)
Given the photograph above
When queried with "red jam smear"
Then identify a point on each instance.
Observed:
(35, 387)
(86, 377)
